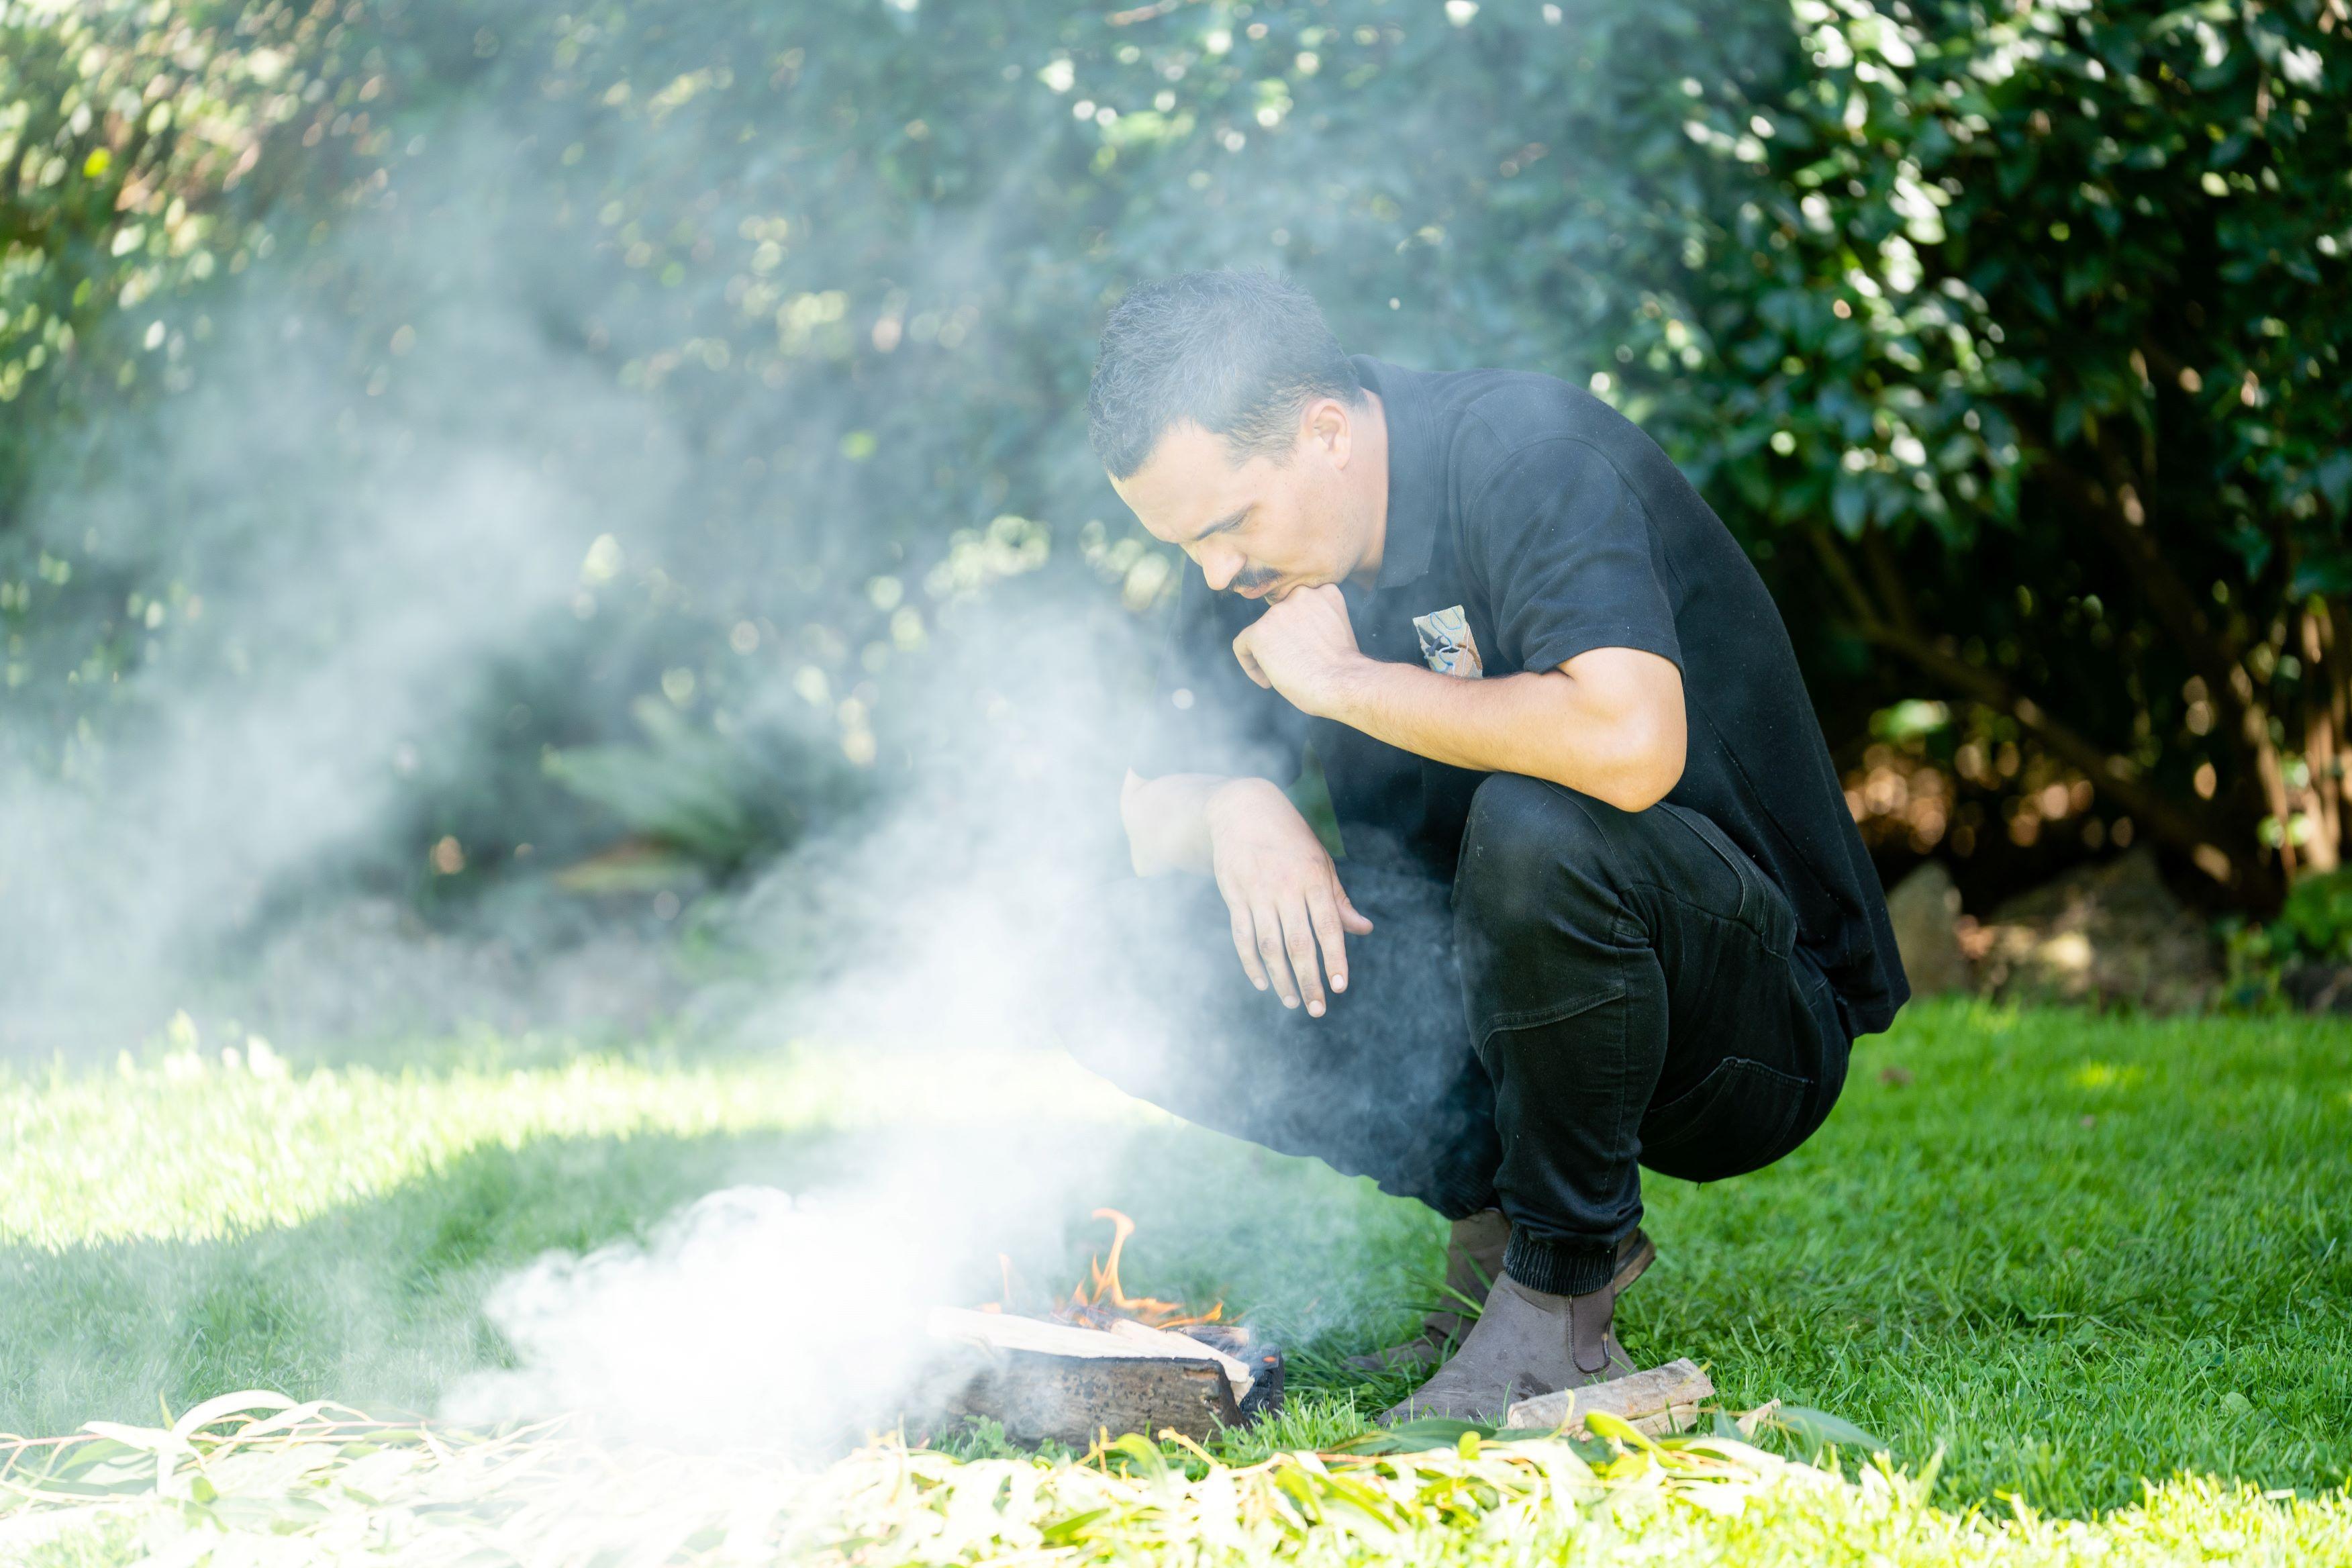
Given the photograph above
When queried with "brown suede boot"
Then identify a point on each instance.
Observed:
(1474, 1261)
(1524, 1344)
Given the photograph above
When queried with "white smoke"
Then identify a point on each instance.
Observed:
(359, 581)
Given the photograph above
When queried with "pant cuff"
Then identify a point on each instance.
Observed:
(1557, 1267)
(1460, 1199)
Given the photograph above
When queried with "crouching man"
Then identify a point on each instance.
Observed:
(1602, 904)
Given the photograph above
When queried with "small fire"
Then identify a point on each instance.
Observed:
(1102, 1293)
(1102, 1297)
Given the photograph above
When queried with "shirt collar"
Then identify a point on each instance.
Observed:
(1416, 486)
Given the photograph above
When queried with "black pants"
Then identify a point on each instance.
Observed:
(1597, 990)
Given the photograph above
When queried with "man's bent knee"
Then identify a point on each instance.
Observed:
(1530, 844)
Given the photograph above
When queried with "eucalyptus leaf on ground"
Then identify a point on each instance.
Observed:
(1822, 1430)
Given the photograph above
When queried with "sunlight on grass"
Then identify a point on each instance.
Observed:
(2107, 1075)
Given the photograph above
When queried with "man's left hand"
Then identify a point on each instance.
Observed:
(1303, 646)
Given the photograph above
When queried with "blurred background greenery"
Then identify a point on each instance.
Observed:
(2008, 338)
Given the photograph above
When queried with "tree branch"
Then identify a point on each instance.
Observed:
(1887, 579)
(2321, 738)
(1842, 577)
(2211, 652)
(2116, 777)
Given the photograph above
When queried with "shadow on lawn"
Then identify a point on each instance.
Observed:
(378, 1302)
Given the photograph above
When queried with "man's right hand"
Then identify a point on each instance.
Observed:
(1281, 890)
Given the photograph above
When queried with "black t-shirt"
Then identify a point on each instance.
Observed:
(1553, 526)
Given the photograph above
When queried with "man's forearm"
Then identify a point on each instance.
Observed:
(1609, 722)
(1167, 819)
(1545, 724)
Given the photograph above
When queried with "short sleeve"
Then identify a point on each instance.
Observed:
(1205, 716)
(1564, 548)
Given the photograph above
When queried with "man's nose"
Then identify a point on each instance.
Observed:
(1219, 565)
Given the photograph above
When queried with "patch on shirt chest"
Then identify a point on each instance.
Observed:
(1447, 645)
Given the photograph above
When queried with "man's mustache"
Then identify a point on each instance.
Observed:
(1253, 577)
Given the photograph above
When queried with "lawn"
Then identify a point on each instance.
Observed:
(2072, 1269)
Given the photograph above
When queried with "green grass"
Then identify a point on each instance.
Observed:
(2067, 1255)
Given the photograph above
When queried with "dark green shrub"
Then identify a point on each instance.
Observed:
(2010, 339)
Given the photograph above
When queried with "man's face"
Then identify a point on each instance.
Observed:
(1258, 527)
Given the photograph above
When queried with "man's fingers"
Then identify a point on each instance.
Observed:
(1325, 913)
(1270, 952)
(1248, 661)
(1349, 917)
(1245, 944)
(1298, 939)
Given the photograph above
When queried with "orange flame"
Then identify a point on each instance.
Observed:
(1102, 1293)
(1103, 1280)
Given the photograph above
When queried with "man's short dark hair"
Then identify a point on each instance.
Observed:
(1237, 354)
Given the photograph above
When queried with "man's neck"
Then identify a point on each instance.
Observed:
(1373, 448)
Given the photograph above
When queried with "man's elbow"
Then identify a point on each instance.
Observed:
(1630, 730)
(1648, 768)
(1651, 788)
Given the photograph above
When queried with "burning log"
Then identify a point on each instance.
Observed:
(1040, 1380)
(1181, 1347)
(1661, 1400)
(1108, 1361)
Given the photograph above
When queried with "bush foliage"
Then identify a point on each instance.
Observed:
(2009, 338)
(140, 146)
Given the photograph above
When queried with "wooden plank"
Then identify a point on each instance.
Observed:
(1008, 1330)
(1663, 1399)
(1666, 1423)
(1125, 1339)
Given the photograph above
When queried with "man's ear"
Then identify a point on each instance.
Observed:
(1329, 431)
